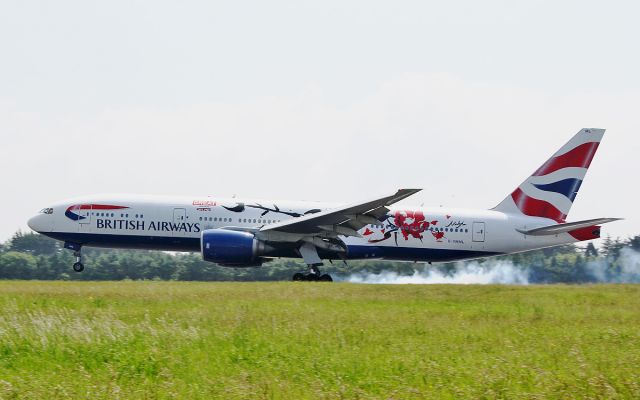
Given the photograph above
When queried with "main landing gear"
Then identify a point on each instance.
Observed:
(310, 255)
(78, 266)
(312, 275)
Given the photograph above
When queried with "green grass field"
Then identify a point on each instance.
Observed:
(314, 340)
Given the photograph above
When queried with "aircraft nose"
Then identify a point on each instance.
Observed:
(38, 222)
(33, 223)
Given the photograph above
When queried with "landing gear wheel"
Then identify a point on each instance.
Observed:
(78, 267)
(311, 277)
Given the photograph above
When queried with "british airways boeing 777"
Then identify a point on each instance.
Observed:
(248, 233)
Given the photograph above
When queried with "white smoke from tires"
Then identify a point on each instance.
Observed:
(625, 270)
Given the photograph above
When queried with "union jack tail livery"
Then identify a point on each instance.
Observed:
(550, 191)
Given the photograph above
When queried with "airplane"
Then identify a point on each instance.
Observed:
(248, 233)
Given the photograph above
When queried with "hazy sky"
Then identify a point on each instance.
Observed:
(327, 100)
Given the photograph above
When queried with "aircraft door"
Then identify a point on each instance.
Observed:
(179, 218)
(85, 214)
(478, 232)
(84, 223)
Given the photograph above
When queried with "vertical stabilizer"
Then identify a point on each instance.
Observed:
(550, 191)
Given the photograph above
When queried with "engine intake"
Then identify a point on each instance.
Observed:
(232, 248)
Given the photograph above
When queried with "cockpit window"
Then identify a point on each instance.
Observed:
(46, 211)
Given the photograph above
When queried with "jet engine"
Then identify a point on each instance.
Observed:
(232, 248)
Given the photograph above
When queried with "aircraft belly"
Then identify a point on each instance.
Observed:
(144, 242)
(423, 250)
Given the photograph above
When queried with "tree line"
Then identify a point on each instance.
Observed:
(34, 256)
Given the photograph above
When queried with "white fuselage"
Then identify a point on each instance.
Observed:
(177, 223)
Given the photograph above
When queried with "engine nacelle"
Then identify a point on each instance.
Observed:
(232, 248)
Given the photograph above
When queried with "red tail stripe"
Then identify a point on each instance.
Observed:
(588, 233)
(579, 157)
(536, 208)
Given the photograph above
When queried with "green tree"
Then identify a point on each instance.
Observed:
(634, 243)
(611, 247)
(590, 250)
(33, 243)
(15, 265)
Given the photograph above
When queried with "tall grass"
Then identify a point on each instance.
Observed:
(306, 340)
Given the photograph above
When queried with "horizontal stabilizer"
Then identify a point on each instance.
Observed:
(566, 227)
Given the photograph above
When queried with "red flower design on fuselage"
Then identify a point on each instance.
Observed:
(414, 223)
(411, 223)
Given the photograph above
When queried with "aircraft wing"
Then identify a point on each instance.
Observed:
(345, 220)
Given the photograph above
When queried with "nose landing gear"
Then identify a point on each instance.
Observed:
(78, 266)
